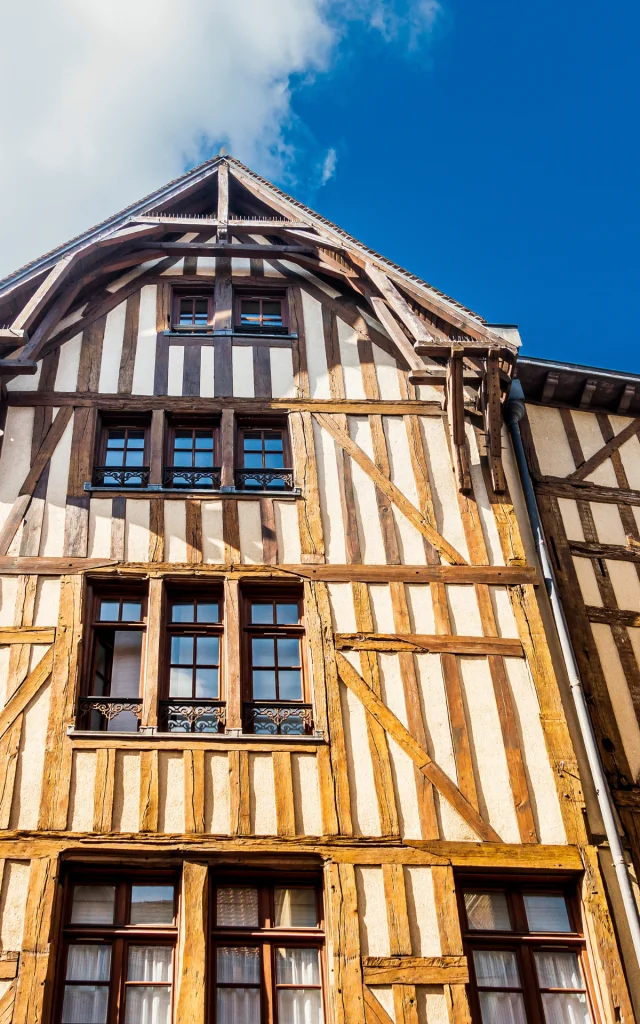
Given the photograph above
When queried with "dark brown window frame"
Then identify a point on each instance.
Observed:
(269, 937)
(108, 422)
(520, 939)
(191, 293)
(260, 295)
(193, 708)
(120, 934)
(193, 423)
(96, 592)
(249, 594)
(264, 424)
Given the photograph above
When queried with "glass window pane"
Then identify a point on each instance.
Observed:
(115, 439)
(253, 460)
(547, 913)
(296, 908)
(273, 442)
(297, 967)
(290, 684)
(149, 963)
(88, 962)
(274, 460)
(563, 1008)
(135, 439)
(237, 907)
(204, 440)
(252, 442)
(287, 612)
(134, 458)
(125, 667)
(182, 650)
(300, 1006)
(264, 684)
(183, 439)
(558, 970)
(93, 904)
(85, 1004)
(207, 683)
(131, 611)
(271, 307)
(207, 611)
(151, 904)
(487, 911)
(182, 612)
(207, 650)
(181, 682)
(261, 614)
(238, 1006)
(502, 1008)
(250, 306)
(113, 459)
(148, 1005)
(238, 965)
(289, 651)
(262, 651)
(496, 969)
(109, 611)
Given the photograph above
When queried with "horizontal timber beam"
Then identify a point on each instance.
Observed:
(27, 634)
(563, 487)
(415, 970)
(425, 643)
(616, 552)
(613, 616)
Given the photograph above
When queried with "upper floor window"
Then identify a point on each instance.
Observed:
(122, 455)
(266, 313)
(527, 962)
(192, 311)
(193, 457)
(268, 954)
(264, 458)
(194, 638)
(114, 656)
(119, 941)
(275, 691)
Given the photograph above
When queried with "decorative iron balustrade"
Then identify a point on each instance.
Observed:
(264, 479)
(278, 718)
(177, 476)
(183, 714)
(108, 708)
(121, 476)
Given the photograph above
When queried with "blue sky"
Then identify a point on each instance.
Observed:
(498, 162)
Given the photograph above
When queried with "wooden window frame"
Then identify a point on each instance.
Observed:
(264, 424)
(132, 421)
(114, 590)
(191, 293)
(120, 934)
(192, 423)
(273, 592)
(267, 936)
(175, 593)
(520, 939)
(260, 295)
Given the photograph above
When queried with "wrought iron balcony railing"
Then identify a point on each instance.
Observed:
(96, 713)
(120, 476)
(264, 479)
(181, 714)
(177, 476)
(278, 718)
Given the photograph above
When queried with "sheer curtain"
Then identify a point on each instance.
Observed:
(87, 1003)
(149, 1003)
(499, 970)
(301, 1005)
(562, 970)
(238, 966)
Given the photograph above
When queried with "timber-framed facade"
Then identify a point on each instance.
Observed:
(282, 738)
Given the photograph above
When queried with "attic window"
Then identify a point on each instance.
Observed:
(192, 312)
(265, 314)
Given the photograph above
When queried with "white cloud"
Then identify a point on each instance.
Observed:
(105, 100)
(329, 166)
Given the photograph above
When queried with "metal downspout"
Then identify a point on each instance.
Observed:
(514, 412)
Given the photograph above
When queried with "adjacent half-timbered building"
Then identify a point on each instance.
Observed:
(281, 736)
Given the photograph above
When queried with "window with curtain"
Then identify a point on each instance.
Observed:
(118, 951)
(117, 622)
(268, 945)
(527, 956)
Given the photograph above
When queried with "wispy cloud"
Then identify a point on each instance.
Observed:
(120, 95)
(329, 166)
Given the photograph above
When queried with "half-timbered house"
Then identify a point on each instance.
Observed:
(282, 738)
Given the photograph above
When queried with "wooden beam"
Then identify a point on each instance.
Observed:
(491, 398)
(191, 1001)
(415, 970)
(454, 394)
(406, 349)
(27, 634)
(419, 643)
(26, 691)
(398, 304)
(392, 492)
(30, 313)
(378, 710)
(375, 1011)
(223, 202)
(593, 549)
(613, 616)
(583, 471)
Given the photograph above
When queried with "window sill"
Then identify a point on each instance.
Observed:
(182, 492)
(204, 333)
(93, 739)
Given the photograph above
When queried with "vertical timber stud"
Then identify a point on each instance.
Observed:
(38, 955)
(233, 682)
(192, 945)
(450, 939)
(156, 452)
(490, 394)
(404, 996)
(455, 407)
(193, 764)
(153, 659)
(227, 438)
(56, 775)
(306, 476)
(223, 203)
(344, 943)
